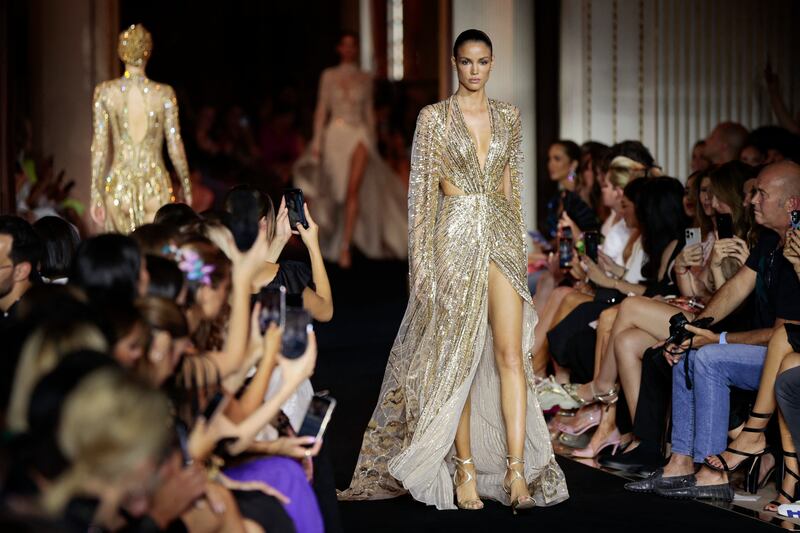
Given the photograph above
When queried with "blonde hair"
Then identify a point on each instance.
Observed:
(110, 424)
(623, 170)
(40, 354)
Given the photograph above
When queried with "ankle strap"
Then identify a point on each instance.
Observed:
(760, 415)
(462, 462)
(790, 454)
(511, 460)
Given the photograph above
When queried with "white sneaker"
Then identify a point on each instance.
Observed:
(790, 510)
(551, 394)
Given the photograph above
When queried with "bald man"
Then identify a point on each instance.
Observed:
(725, 142)
(702, 378)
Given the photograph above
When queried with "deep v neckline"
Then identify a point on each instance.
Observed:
(472, 139)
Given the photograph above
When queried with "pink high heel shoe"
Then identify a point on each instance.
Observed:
(586, 421)
(614, 439)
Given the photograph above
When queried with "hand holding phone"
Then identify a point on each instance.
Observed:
(724, 226)
(317, 417)
(273, 308)
(693, 236)
(295, 203)
(295, 332)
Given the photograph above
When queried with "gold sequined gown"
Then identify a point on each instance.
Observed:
(443, 350)
(136, 177)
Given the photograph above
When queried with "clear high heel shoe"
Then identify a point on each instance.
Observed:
(469, 505)
(614, 439)
(523, 503)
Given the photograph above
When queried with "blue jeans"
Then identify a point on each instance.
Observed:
(700, 415)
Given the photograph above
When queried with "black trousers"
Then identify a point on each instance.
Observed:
(264, 510)
(325, 489)
(655, 396)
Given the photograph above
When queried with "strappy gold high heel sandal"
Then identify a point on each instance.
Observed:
(522, 503)
(469, 505)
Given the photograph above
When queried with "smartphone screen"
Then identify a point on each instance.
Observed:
(795, 219)
(317, 417)
(724, 226)
(273, 307)
(294, 203)
(295, 333)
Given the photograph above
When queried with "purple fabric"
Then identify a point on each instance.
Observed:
(287, 476)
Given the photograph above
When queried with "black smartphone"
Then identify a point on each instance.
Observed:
(317, 417)
(724, 226)
(565, 249)
(273, 307)
(183, 442)
(294, 203)
(213, 405)
(295, 332)
(795, 219)
(591, 240)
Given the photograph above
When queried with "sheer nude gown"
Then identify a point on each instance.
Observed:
(344, 118)
(444, 349)
(136, 183)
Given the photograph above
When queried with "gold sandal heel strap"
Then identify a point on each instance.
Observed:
(460, 464)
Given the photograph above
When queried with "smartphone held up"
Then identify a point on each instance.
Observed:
(295, 205)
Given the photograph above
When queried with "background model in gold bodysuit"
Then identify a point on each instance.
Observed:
(132, 116)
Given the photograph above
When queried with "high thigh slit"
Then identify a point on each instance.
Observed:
(444, 350)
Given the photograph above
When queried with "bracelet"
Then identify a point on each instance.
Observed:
(723, 337)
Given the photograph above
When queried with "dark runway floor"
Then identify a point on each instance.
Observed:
(369, 304)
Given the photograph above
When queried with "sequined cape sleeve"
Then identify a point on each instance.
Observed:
(101, 137)
(172, 132)
(423, 201)
(515, 160)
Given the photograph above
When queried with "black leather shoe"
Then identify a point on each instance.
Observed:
(722, 492)
(638, 461)
(657, 480)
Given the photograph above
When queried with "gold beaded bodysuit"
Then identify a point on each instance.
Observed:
(443, 352)
(137, 178)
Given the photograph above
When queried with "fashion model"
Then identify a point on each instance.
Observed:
(132, 117)
(359, 199)
(458, 411)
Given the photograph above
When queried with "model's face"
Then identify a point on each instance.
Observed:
(348, 49)
(688, 198)
(473, 64)
(751, 156)
(705, 196)
(558, 163)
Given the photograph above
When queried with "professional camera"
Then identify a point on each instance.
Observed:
(678, 334)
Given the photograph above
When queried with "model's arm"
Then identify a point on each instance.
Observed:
(100, 149)
(172, 132)
(320, 113)
(423, 201)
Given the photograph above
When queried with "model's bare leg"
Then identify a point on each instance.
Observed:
(505, 319)
(358, 164)
(466, 494)
(777, 350)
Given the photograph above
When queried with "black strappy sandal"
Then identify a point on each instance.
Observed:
(789, 497)
(754, 459)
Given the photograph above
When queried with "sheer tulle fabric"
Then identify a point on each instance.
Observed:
(443, 350)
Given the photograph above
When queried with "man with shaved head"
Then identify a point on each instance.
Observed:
(725, 142)
(704, 371)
